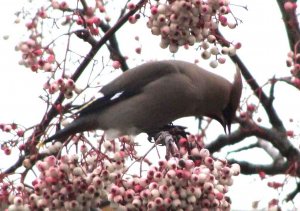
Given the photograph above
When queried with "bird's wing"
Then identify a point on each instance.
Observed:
(129, 84)
(140, 76)
(105, 101)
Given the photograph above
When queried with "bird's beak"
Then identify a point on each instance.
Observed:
(228, 128)
(225, 124)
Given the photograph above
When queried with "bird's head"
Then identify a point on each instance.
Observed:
(226, 117)
(224, 120)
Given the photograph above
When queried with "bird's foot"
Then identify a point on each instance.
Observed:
(165, 138)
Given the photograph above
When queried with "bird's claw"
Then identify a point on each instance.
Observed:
(165, 138)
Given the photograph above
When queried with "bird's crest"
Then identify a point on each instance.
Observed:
(234, 100)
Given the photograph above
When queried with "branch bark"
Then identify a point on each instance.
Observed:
(250, 168)
(260, 94)
(277, 134)
(39, 130)
(291, 24)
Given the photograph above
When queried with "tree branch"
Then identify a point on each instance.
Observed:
(293, 194)
(226, 140)
(277, 138)
(250, 168)
(39, 130)
(114, 49)
(260, 94)
(291, 24)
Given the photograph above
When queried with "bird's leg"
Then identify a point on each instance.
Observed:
(175, 130)
(167, 139)
(169, 136)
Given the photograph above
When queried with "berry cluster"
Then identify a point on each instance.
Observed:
(186, 22)
(293, 61)
(13, 127)
(16, 131)
(65, 85)
(178, 184)
(66, 184)
(38, 58)
(35, 57)
(69, 183)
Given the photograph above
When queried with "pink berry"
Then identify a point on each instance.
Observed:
(221, 60)
(290, 6)
(38, 52)
(205, 9)
(34, 67)
(20, 133)
(42, 14)
(116, 64)
(251, 107)
(290, 133)
(223, 10)
(31, 25)
(51, 58)
(14, 126)
(63, 5)
(50, 160)
(7, 151)
(51, 180)
(131, 6)
(18, 201)
(138, 50)
(22, 147)
(102, 9)
(158, 201)
(70, 84)
(238, 45)
(83, 148)
(7, 128)
(204, 153)
(223, 20)
(94, 31)
(154, 10)
(296, 82)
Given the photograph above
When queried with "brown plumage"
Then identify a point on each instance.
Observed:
(154, 94)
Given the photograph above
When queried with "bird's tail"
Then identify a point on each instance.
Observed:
(77, 126)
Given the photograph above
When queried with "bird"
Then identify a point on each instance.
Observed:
(152, 95)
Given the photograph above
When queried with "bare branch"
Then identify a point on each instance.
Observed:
(264, 99)
(277, 138)
(39, 130)
(250, 168)
(225, 140)
(291, 23)
(114, 49)
(293, 194)
(271, 151)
